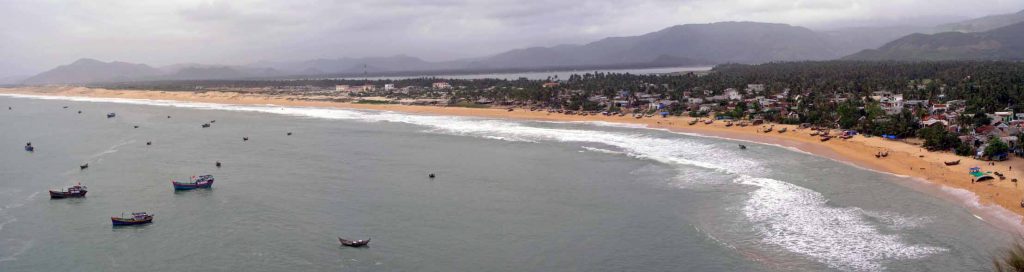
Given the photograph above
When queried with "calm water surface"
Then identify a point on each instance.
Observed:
(509, 196)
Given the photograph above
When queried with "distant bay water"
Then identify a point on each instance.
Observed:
(508, 196)
(539, 75)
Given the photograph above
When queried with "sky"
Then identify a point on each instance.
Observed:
(36, 35)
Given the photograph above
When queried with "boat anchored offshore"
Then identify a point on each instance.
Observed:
(74, 191)
(111, 115)
(354, 243)
(204, 181)
(136, 218)
(29, 147)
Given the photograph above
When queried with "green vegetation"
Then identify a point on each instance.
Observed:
(1011, 260)
(996, 147)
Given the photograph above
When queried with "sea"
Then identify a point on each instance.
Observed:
(508, 196)
(541, 75)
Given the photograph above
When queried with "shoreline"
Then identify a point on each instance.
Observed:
(904, 160)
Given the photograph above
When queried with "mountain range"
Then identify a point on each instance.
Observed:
(681, 45)
(1004, 43)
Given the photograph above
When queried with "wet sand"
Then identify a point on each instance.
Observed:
(905, 158)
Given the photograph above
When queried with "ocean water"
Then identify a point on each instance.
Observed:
(509, 196)
(545, 74)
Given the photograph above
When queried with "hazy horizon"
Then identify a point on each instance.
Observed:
(39, 36)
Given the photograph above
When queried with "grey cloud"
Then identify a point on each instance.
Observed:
(38, 35)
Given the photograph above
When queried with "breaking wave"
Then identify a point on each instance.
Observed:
(799, 220)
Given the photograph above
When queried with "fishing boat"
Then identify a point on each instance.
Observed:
(951, 163)
(354, 243)
(289, 134)
(783, 130)
(245, 139)
(814, 133)
(743, 147)
(728, 124)
(769, 129)
(980, 176)
(74, 191)
(826, 138)
(694, 121)
(111, 115)
(29, 147)
(206, 125)
(708, 122)
(136, 218)
(204, 181)
(218, 164)
(84, 166)
(431, 175)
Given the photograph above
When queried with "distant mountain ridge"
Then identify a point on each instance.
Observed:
(681, 45)
(984, 23)
(1005, 43)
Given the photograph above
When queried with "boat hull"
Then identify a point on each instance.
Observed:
(129, 222)
(58, 195)
(190, 186)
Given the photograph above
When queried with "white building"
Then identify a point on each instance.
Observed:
(389, 87)
(442, 85)
(733, 94)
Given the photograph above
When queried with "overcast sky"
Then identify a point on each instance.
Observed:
(36, 35)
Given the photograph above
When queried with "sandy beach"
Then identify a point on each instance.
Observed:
(904, 158)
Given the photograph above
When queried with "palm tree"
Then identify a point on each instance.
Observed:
(1012, 259)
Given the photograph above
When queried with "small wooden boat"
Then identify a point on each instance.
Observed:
(135, 126)
(826, 138)
(951, 163)
(111, 115)
(743, 147)
(783, 130)
(29, 147)
(204, 181)
(885, 154)
(206, 125)
(136, 218)
(708, 122)
(245, 139)
(84, 166)
(65, 107)
(213, 121)
(693, 122)
(149, 143)
(79, 112)
(768, 129)
(168, 117)
(218, 164)
(354, 243)
(289, 134)
(431, 175)
(74, 191)
(728, 124)
(814, 133)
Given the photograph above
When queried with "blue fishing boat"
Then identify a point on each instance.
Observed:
(204, 181)
(29, 147)
(136, 218)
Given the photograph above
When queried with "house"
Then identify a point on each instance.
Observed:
(733, 94)
(441, 85)
(341, 88)
(550, 85)
(938, 108)
(389, 87)
(755, 88)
